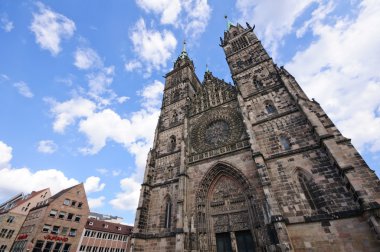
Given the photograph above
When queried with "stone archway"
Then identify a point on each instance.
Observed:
(225, 211)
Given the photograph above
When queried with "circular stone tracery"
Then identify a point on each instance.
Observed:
(216, 128)
(217, 132)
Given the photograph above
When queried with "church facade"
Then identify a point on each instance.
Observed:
(254, 166)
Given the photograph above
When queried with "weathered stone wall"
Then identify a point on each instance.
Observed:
(349, 235)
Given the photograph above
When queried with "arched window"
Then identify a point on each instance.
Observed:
(168, 213)
(172, 143)
(306, 185)
(269, 107)
(285, 143)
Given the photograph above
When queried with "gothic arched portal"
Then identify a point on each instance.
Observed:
(225, 211)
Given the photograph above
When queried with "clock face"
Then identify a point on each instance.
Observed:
(216, 128)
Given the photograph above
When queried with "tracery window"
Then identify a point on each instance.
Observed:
(168, 213)
(306, 186)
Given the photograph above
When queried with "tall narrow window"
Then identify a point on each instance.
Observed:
(285, 143)
(307, 189)
(168, 213)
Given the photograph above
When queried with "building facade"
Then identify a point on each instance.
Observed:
(13, 213)
(254, 166)
(55, 224)
(105, 236)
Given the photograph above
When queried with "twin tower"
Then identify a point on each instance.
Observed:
(254, 166)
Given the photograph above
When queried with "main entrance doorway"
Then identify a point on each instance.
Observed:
(223, 242)
(244, 242)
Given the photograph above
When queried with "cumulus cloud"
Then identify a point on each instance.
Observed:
(198, 13)
(96, 202)
(23, 89)
(152, 47)
(5, 23)
(168, 9)
(5, 155)
(14, 180)
(99, 82)
(272, 28)
(190, 15)
(132, 65)
(50, 28)
(336, 75)
(47, 146)
(93, 184)
(128, 198)
(107, 125)
(86, 58)
(67, 112)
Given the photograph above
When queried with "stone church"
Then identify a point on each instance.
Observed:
(253, 166)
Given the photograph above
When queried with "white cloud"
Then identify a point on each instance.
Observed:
(198, 14)
(153, 48)
(96, 202)
(102, 171)
(129, 197)
(5, 23)
(15, 180)
(98, 82)
(107, 125)
(93, 184)
(86, 58)
(67, 112)
(132, 65)
(5, 155)
(190, 15)
(122, 99)
(50, 28)
(342, 73)
(23, 89)
(168, 9)
(273, 19)
(47, 146)
(116, 173)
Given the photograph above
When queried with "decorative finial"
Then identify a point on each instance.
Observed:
(207, 68)
(184, 46)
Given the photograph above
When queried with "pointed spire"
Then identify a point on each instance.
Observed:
(183, 53)
(229, 23)
(207, 70)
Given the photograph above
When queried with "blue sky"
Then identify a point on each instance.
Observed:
(81, 81)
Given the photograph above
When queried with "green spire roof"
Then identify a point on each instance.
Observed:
(229, 23)
(183, 53)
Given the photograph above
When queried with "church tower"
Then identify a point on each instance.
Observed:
(254, 166)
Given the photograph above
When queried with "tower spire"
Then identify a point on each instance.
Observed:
(184, 52)
(229, 23)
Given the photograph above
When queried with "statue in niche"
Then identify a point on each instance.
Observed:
(172, 143)
(175, 117)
